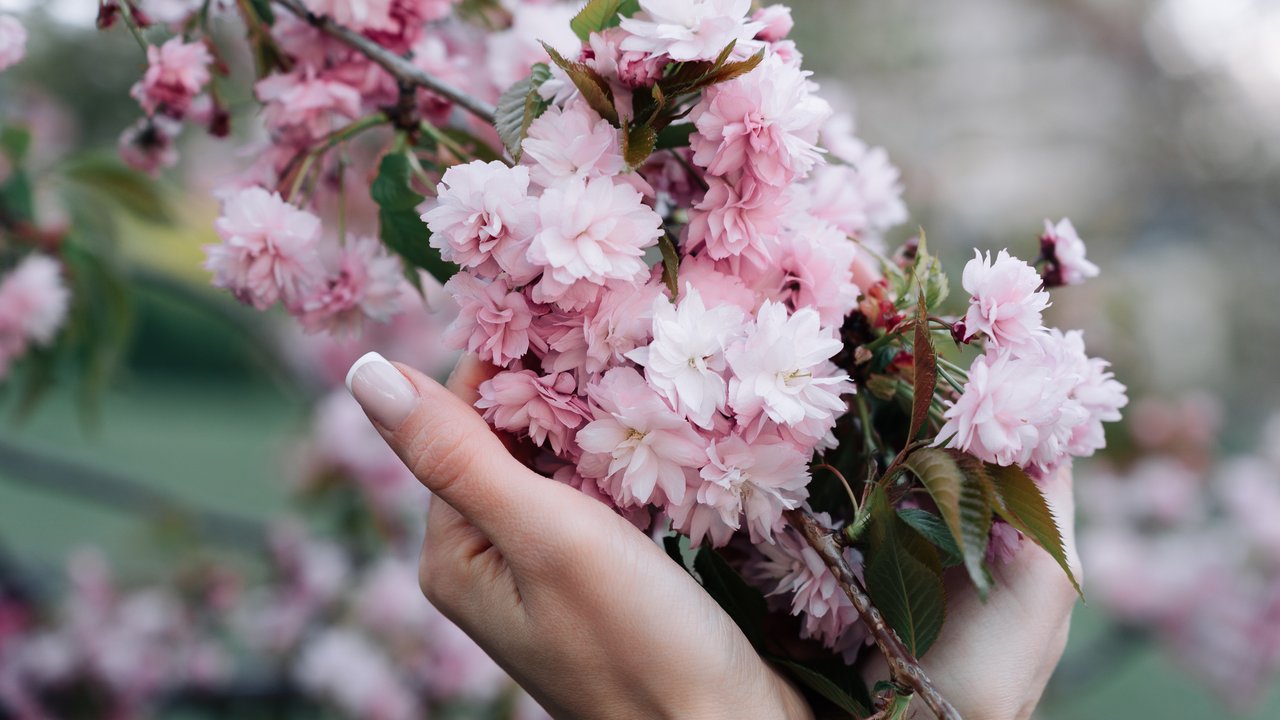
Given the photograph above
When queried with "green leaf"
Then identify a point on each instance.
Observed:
(935, 530)
(962, 502)
(16, 198)
(263, 10)
(675, 136)
(400, 226)
(727, 71)
(1017, 499)
(519, 106)
(904, 579)
(15, 141)
(823, 685)
(883, 386)
(405, 234)
(692, 77)
(122, 187)
(100, 323)
(677, 547)
(637, 144)
(742, 602)
(392, 189)
(670, 265)
(478, 148)
(594, 88)
(599, 15)
(926, 370)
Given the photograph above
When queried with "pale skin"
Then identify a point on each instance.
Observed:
(591, 617)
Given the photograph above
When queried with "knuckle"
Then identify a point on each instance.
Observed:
(441, 458)
(431, 581)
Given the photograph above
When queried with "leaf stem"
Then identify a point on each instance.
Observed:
(126, 12)
(904, 668)
(459, 152)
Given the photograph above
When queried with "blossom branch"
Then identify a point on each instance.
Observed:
(904, 669)
(404, 71)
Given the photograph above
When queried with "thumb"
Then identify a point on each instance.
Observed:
(446, 444)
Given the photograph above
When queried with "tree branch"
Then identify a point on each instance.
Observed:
(42, 472)
(404, 71)
(903, 668)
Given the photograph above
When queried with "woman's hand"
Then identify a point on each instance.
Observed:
(581, 608)
(994, 658)
(595, 621)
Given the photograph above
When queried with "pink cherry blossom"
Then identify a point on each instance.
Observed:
(716, 283)
(342, 441)
(593, 231)
(685, 362)
(637, 447)
(1004, 543)
(408, 22)
(817, 262)
(863, 200)
(13, 42)
(349, 669)
(176, 73)
(573, 142)
(755, 482)
(790, 568)
(305, 106)
(1006, 404)
(510, 53)
(484, 219)
(764, 123)
(34, 300)
(268, 250)
(148, 144)
(544, 409)
(455, 667)
(492, 322)
(776, 20)
(1066, 252)
(618, 324)
(742, 221)
(355, 14)
(1095, 391)
(363, 282)
(774, 369)
(1006, 303)
(689, 30)
(629, 69)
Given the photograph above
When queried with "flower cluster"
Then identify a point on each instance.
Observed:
(674, 251)
(13, 42)
(273, 251)
(1182, 545)
(1034, 399)
(320, 632)
(34, 301)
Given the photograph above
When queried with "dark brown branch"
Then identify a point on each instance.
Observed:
(49, 474)
(903, 668)
(404, 71)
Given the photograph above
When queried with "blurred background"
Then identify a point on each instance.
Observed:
(1151, 123)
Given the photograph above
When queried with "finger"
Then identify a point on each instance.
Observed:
(448, 446)
(458, 562)
(467, 376)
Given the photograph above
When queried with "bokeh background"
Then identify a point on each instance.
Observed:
(1152, 123)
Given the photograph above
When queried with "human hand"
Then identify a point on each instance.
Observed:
(585, 611)
(994, 658)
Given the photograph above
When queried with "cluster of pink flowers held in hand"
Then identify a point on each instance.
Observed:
(705, 404)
